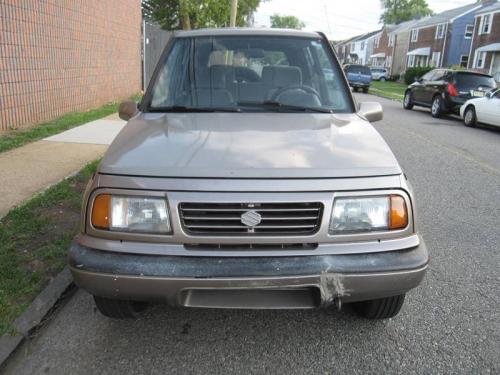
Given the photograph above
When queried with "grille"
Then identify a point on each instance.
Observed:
(251, 219)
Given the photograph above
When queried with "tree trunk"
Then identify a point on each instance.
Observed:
(184, 10)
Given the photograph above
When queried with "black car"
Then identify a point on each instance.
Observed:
(445, 90)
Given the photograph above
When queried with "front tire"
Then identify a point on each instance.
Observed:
(470, 118)
(382, 79)
(365, 90)
(408, 100)
(355, 89)
(437, 107)
(383, 308)
(119, 309)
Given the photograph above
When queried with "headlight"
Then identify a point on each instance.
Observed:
(367, 214)
(131, 214)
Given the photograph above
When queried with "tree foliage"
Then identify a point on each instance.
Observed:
(397, 11)
(286, 22)
(195, 14)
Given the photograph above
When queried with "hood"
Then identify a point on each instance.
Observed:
(249, 145)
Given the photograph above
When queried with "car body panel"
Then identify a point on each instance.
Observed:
(487, 109)
(249, 145)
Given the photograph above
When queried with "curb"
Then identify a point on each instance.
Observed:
(35, 313)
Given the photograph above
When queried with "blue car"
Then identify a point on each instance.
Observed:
(359, 77)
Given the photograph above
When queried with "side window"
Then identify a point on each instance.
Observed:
(429, 76)
(438, 75)
(173, 75)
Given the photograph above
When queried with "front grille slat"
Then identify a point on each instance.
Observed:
(279, 219)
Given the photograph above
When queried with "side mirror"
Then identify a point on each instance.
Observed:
(489, 94)
(127, 110)
(371, 111)
(418, 79)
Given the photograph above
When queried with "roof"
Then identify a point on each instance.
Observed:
(446, 16)
(404, 26)
(246, 31)
(488, 9)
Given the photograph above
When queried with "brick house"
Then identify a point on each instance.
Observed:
(444, 39)
(65, 55)
(383, 48)
(485, 49)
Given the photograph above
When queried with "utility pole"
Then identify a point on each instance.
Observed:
(234, 9)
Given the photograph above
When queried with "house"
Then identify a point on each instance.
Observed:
(485, 48)
(444, 39)
(400, 50)
(361, 48)
(344, 50)
(383, 48)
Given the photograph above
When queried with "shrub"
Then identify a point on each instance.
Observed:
(411, 73)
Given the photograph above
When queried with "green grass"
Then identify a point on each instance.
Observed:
(34, 241)
(18, 137)
(391, 90)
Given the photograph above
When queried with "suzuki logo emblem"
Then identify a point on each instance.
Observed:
(251, 218)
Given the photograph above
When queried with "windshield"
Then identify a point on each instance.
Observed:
(249, 73)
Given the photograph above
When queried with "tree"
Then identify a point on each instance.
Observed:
(195, 14)
(286, 22)
(397, 11)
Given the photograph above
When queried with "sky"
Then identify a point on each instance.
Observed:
(339, 19)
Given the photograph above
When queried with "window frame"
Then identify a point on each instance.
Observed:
(483, 23)
(477, 59)
(462, 60)
(471, 32)
(441, 27)
(414, 35)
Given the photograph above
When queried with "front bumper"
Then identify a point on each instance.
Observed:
(248, 282)
(359, 84)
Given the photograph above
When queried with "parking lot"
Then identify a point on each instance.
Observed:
(450, 324)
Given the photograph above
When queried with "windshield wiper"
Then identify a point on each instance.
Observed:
(272, 104)
(186, 109)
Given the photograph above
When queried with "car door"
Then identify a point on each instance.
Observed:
(433, 85)
(419, 87)
(491, 109)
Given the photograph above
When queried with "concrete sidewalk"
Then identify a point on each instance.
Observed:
(32, 168)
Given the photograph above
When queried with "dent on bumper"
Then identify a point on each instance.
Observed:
(283, 282)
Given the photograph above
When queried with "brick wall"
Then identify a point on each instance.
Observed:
(481, 40)
(58, 56)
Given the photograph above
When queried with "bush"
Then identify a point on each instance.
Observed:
(411, 73)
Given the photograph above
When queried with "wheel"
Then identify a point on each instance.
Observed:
(437, 107)
(119, 309)
(383, 308)
(382, 79)
(470, 118)
(355, 89)
(408, 100)
(365, 90)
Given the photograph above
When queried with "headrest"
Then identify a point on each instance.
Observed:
(282, 76)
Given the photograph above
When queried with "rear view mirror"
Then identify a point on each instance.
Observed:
(371, 111)
(127, 110)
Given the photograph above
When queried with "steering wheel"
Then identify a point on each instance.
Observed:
(306, 89)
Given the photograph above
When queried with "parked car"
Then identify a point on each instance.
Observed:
(445, 90)
(484, 110)
(380, 74)
(225, 193)
(359, 76)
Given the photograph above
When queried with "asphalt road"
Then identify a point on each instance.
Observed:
(451, 324)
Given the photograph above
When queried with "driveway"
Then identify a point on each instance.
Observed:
(451, 324)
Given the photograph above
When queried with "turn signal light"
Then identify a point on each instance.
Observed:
(101, 211)
(398, 218)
